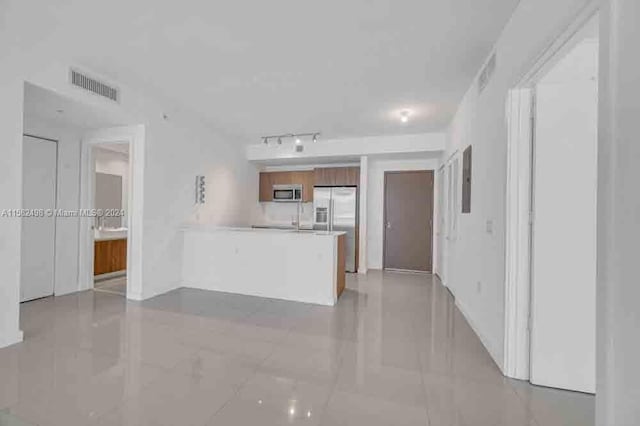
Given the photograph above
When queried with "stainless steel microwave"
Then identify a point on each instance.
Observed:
(287, 193)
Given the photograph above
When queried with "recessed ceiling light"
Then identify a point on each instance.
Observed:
(404, 116)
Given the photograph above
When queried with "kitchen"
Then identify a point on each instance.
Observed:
(309, 229)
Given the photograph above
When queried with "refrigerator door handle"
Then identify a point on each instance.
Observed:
(331, 204)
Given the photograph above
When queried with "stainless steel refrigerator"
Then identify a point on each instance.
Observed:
(336, 209)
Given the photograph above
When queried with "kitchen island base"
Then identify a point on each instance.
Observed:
(301, 266)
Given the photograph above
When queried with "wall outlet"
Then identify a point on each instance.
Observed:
(489, 227)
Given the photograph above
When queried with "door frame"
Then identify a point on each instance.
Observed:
(384, 218)
(520, 108)
(55, 197)
(439, 268)
(135, 137)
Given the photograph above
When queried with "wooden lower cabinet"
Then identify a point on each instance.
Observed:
(109, 256)
(342, 261)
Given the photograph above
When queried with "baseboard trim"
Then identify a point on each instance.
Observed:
(144, 295)
(487, 343)
(407, 271)
(12, 339)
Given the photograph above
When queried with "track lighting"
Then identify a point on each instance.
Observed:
(297, 137)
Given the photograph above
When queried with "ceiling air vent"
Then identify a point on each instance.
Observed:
(487, 73)
(92, 85)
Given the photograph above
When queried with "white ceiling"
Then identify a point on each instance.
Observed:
(346, 68)
(120, 148)
(42, 104)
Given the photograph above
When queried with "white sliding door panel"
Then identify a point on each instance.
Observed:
(563, 305)
(38, 232)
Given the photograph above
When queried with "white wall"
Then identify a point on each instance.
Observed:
(176, 150)
(618, 381)
(480, 121)
(115, 163)
(352, 147)
(375, 202)
(363, 222)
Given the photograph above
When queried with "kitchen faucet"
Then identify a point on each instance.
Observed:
(298, 207)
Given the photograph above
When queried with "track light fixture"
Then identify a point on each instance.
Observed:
(296, 137)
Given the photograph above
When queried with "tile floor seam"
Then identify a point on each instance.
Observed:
(236, 393)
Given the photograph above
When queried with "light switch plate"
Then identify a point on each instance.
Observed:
(489, 227)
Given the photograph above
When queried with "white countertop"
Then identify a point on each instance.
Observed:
(301, 232)
(110, 234)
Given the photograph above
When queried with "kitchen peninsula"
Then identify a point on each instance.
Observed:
(303, 266)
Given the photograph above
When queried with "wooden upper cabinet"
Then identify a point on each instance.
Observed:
(306, 179)
(268, 179)
(266, 187)
(337, 176)
(282, 178)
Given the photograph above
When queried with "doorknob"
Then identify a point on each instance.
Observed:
(388, 225)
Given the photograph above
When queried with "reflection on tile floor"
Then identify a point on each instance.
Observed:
(117, 285)
(394, 351)
(7, 419)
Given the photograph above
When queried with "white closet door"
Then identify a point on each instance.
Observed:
(38, 233)
(563, 297)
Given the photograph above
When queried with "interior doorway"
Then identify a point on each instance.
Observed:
(442, 223)
(110, 200)
(550, 305)
(408, 220)
(57, 255)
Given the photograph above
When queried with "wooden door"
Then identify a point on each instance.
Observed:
(408, 220)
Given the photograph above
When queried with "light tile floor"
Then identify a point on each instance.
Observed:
(394, 351)
(117, 285)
